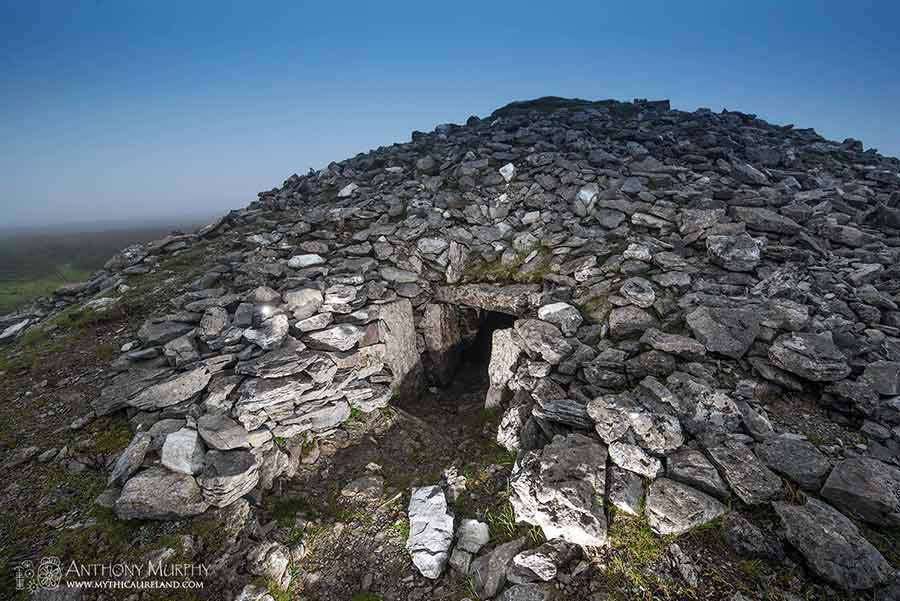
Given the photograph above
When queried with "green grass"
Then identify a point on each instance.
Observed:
(18, 293)
(503, 527)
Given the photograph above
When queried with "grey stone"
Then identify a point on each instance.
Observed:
(183, 452)
(563, 315)
(341, 337)
(303, 302)
(681, 346)
(675, 508)
(505, 354)
(630, 321)
(639, 292)
(172, 391)
(472, 535)
(691, 467)
(489, 570)
(798, 460)
(751, 481)
(867, 488)
(160, 494)
(634, 459)
(832, 545)
(270, 333)
(739, 252)
(729, 332)
(222, 433)
(430, 530)
(228, 476)
(130, 459)
(543, 339)
(624, 490)
(883, 377)
(541, 563)
(561, 487)
(811, 356)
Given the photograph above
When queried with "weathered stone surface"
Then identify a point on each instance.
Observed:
(832, 545)
(765, 220)
(130, 459)
(303, 302)
(729, 332)
(811, 356)
(341, 337)
(682, 346)
(750, 480)
(624, 490)
(563, 315)
(154, 333)
(739, 252)
(440, 328)
(658, 433)
(796, 459)
(430, 530)
(691, 467)
(505, 354)
(675, 508)
(160, 494)
(541, 563)
(867, 488)
(514, 299)
(634, 459)
(561, 488)
(176, 389)
(228, 476)
(183, 452)
(489, 570)
(883, 377)
(222, 433)
(639, 292)
(630, 321)
(543, 339)
(472, 535)
(270, 333)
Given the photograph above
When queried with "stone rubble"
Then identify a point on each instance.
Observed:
(667, 274)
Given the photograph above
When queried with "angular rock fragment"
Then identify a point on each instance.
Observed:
(832, 545)
(750, 480)
(675, 508)
(867, 488)
(160, 494)
(228, 476)
(430, 530)
(796, 459)
(543, 339)
(729, 332)
(560, 488)
(811, 356)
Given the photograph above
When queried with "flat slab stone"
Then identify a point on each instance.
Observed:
(748, 477)
(798, 460)
(222, 433)
(543, 339)
(729, 332)
(430, 530)
(675, 508)
(832, 545)
(176, 389)
(160, 494)
(867, 488)
(561, 487)
(515, 299)
(811, 356)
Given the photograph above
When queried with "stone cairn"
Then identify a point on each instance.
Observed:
(670, 272)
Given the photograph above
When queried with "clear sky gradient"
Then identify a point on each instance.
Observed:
(115, 110)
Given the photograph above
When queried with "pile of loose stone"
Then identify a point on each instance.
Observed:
(670, 272)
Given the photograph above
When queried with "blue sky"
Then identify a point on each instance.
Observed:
(115, 110)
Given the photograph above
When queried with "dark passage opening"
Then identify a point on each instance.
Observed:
(477, 352)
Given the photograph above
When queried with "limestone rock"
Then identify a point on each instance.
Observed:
(798, 460)
(489, 570)
(561, 488)
(222, 433)
(675, 508)
(832, 545)
(867, 488)
(543, 339)
(160, 494)
(811, 356)
(228, 476)
(729, 332)
(751, 481)
(430, 530)
(183, 452)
